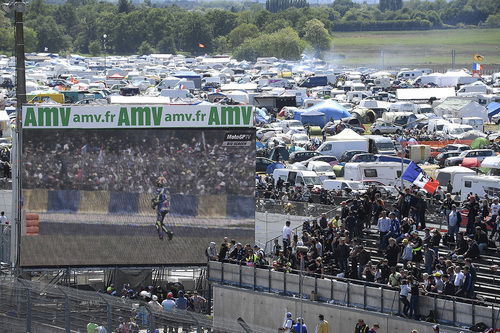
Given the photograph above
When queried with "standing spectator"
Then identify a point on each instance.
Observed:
(454, 220)
(403, 296)
(374, 328)
(350, 222)
(414, 298)
(447, 205)
(466, 285)
(448, 287)
(429, 257)
(343, 255)
(168, 303)
(223, 250)
(474, 210)
(495, 210)
(287, 323)
(198, 302)
(287, 235)
(459, 277)
(394, 278)
(417, 247)
(407, 252)
(420, 209)
(323, 221)
(299, 326)
(322, 326)
(392, 253)
(383, 226)
(361, 327)
(181, 303)
(154, 305)
(481, 239)
(3, 219)
(496, 229)
(473, 273)
(212, 251)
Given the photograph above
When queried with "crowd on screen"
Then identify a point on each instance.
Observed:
(131, 162)
(408, 255)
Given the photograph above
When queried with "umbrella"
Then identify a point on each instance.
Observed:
(479, 143)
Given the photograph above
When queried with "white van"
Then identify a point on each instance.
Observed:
(410, 74)
(323, 169)
(479, 185)
(403, 107)
(455, 131)
(337, 148)
(475, 122)
(339, 184)
(298, 178)
(473, 90)
(387, 173)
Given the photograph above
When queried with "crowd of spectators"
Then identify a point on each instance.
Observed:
(411, 259)
(192, 162)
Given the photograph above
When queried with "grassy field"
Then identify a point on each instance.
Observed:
(431, 47)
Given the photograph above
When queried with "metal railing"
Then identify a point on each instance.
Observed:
(27, 306)
(455, 311)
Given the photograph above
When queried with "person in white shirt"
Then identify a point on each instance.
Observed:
(3, 219)
(287, 323)
(495, 210)
(287, 235)
(459, 277)
(383, 226)
(454, 219)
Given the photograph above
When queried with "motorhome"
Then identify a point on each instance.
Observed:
(474, 89)
(298, 178)
(480, 185)
(410, 74)
(436, 125)
(453, 174)
(346, 140)
(475, 122)
(387, 173)
(398, 118)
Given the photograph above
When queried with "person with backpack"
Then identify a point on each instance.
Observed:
(287, 326)
(361, 327)
(299, 326)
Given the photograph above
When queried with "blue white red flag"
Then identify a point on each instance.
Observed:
(418, 177)
(477, 67)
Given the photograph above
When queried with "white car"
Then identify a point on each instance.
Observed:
(323, 169)
(299, 139)
(382, 127)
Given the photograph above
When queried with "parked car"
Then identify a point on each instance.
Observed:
(300, 156)
(348, 154)
(332, 160)
(441, 157)
(364, 157)
(479, 154)
(299, 139)
(383, 127)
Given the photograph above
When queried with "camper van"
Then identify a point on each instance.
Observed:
(479, 185)
(436, 125)
(338, 147)
(475, 122)
(387, 173)
(299, 178)
(378, 144)
(455, 131)
(410, 74)
(403, 107)
(323, 169)
(473, 90)
(398, 118)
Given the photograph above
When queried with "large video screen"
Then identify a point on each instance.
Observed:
(134, 196)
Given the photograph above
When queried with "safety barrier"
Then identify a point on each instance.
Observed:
(454, 311)
(108, 202)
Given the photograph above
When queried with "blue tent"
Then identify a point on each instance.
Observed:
(493, 109)
(314, 118)
(297, 114)
(330, 109)
(271, 167)
(259, 145)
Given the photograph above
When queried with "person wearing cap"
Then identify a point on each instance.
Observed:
(361, 327)
(374, 328)
(438, 283)
(287, 323)
(154, 305)
(168, 303)
(322, 326)
(299, 326)
(448, 287)
(417, 247)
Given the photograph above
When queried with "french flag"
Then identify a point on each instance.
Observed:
(417, 176)
(477, 67)
(181, 86)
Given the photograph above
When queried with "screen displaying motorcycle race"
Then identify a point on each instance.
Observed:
(134, 193)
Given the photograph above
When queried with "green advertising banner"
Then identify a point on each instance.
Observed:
(136, 116)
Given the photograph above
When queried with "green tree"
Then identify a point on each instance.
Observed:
(244, 31)
(195, 30)
(221, 21)
(276, 25)
(167, 45)
(125, 6)
(145, 49)
(316, 35)
(493, 20)
(343, 6)
(95, 48)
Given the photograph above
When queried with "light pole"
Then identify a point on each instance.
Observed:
(18, 7)
(104, 37)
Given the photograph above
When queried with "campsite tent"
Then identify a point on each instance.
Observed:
(313, 118)
(330, 109)
(456, 107)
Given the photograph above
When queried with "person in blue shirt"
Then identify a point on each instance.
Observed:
(181, 303)
(299, 326)
(162, 205)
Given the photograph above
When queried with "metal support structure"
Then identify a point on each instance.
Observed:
(347, 294)
(222, 273)
(454, 312)
(269, 282)
(381, 300)
(28, 310)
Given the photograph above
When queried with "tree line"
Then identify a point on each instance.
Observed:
(283, 29)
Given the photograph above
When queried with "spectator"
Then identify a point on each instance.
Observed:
(168, 304)
(3, 219)
(392, 253)
(322, 326)
(383, 226)
(181, 303)
(481, 239)
(374, 328)
(403, 296)
(448, 286)
(361, 327)
(454, 220)
(287, 323)
(212, 251)
(300, 326)
(287, 235)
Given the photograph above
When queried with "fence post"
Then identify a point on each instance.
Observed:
(316, 286)
(67, 318)
(151, 321)
(364, 296)
(435, 305)
(454, 312)
(254, 277)
(222, 273)
(331, 289)
(381, 300)
(28, 310)
(348, 293)
(492, 316)
(240, 279)
(284, 282)
(473, 313)
(269, 268)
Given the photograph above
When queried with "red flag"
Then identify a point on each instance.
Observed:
(201, 45)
